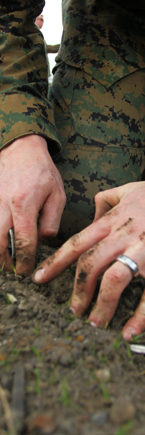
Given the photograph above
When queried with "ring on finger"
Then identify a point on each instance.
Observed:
(129, 263)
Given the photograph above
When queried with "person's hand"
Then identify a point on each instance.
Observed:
(29, 183)
(121, 230)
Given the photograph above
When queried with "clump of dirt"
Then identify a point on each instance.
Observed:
(58, 375)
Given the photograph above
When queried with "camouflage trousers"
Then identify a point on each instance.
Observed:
(102, 131)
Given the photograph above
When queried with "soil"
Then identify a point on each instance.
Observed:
(58, 375)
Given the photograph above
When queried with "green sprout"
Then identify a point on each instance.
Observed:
(125, 429)
(2, 268)
(14, 269)
(66, 334)
(104, 359)
(94, 349)
(37, 375)
(6, 298)
(128, 351)
(4, 362)
(64, 398)
(36, 351)
(104, 390)
(36, 330)
(69, 302)
(136, 338)
(116, 344)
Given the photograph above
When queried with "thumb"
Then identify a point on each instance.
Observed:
(104, 201)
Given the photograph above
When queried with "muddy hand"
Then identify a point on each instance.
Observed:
(121, 230)
(29, 184)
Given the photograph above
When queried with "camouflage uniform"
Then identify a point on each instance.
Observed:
(24, 107)
(98, 98)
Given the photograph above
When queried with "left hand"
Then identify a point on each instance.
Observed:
(121, 230)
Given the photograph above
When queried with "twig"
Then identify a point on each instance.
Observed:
(7, 410)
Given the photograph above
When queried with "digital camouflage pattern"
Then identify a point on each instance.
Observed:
(105, 38)
(102, 131)
(98, 96)
(24, 107)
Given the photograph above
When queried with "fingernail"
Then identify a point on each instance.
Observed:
(72, 310)
(39, 275)
(93, 324)
(127, 335)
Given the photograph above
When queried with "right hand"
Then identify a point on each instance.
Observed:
(29, 183)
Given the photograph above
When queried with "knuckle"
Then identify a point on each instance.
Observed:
(21, 241)
(19, 199)
(113, 275)
(99, 197)
(85, 263)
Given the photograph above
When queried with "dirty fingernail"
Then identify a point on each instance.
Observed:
(72, 310)
(93, 324)
(128, 333)
(38, 276)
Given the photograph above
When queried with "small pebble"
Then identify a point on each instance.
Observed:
(100, 418)
(75, 325)
(63, 324)
(62, 356)
(75, 353)
(122, 411)
(103, 374)
(8, 312)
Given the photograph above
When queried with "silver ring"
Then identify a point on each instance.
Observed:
(129, 263)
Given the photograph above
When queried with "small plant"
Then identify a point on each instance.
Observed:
(64, 398)
(69, 318)
(2, 268)
(14, 269)
(69, 302)
(37, 375)
(104, 390)
(52, 376)
(125, 429)
(4, 362)
(104, 359)
(66, 334)
(6, 298)
(128, 351)
(116, 344)
(36, 351)
(106, 324)
(94, 350)
(16, 351)
(136, 338)
(36, 330)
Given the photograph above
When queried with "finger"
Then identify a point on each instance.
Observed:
(5, 225)
(136, 325)
(104, 201)
(71, 251)
(115, 279)
(50, 216)
(90, 266)
(25, 228)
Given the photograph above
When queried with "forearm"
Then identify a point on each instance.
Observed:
(24, 108)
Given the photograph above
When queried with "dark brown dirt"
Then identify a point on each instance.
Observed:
(58, 375)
